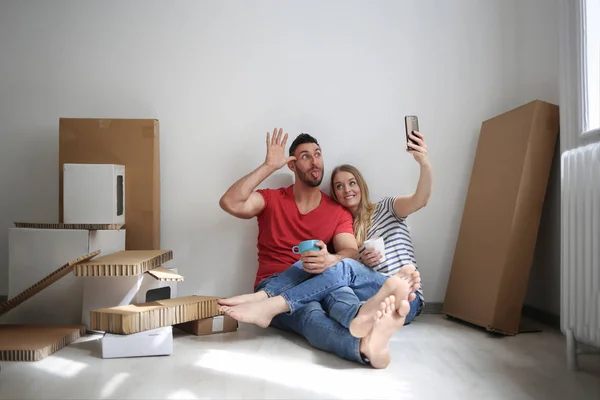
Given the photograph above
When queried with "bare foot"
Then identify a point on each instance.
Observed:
(257, 312)
(410, 274)
(376, 346)
(362, 324)
(243, 298)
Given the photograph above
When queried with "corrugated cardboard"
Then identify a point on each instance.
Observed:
(44, 283)
(35, 342)
(498, 232)
(133, 143)
(35, 253)
(210, 326)
(110, 291)
(52, 225)
(155, 342)
(142, 317)
(94, 193)
(124, 263)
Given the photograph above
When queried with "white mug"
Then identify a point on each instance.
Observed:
(378, 244)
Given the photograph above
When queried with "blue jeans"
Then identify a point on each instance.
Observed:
(322, 306)
(299, 287)
(343, 304)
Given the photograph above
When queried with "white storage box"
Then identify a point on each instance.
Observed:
(154, 342)
(35, 253)
(94, 194)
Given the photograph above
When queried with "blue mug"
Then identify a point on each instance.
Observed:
(307, 245)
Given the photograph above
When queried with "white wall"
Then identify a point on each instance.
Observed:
(218, 75)
(538, 77)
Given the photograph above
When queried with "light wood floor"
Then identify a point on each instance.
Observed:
(434, 358)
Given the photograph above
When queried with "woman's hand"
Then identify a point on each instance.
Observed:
(419, 150)
(370, 257)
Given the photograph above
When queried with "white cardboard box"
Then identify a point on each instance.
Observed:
(35, 253)
(94, 194)
(154, 342)
(114, 291)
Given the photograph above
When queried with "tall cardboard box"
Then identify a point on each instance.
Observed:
(133, 143)
(497, 236)
(34, 253)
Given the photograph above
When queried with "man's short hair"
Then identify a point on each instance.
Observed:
(302, 139)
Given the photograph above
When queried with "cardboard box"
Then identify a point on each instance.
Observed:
(497, 236)
(155, 342)
(133, 143)
(35, 253)
(142, 317)
(124, 263)
(94, 193)
(209, 326)
(35, 342)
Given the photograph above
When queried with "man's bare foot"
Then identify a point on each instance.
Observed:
(376, 346)
(362, 324)
(257, 312)
(243, 298)
(410, 274)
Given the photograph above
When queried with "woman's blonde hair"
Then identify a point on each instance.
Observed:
(362, 219)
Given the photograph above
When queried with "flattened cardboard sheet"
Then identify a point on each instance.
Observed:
(35, 342)
(44, 283)
(142, 317)
(164, 274)
(124, 263)
(86, 227)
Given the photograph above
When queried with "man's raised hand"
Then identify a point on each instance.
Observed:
(276, 158)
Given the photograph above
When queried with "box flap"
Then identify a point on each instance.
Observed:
(51, 225)
(44, 283)
(124, 263)
(165, 274)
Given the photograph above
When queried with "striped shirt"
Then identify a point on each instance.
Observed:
(399, 249)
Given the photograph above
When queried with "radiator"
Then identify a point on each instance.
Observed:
(580, 252)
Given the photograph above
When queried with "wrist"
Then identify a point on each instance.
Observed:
(425, 164)
(332, 259)
(268, 168)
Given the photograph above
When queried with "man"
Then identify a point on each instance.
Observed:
(287, 216)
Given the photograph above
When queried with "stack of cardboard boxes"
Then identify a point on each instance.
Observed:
(109, 229)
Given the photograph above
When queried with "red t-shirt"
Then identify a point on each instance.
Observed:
(281, 227)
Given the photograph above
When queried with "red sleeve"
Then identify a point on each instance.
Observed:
(345, 223)
(266, 194)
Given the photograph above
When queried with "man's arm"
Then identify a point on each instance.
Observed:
(240, 199)
(315, 262)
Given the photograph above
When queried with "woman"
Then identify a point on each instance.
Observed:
(386, 218)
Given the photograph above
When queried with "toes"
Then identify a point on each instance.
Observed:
(412, 296)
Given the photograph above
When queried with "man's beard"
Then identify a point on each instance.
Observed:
(307, 178)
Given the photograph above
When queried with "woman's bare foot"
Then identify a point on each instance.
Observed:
(257, 312)
(376, 345)
(410, 274)
(362, 324)
(243, 298)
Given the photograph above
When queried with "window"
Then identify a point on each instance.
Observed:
(591, 66)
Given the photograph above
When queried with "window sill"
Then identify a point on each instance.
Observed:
(590, 133)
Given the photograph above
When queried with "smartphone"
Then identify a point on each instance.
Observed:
(411, 124)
